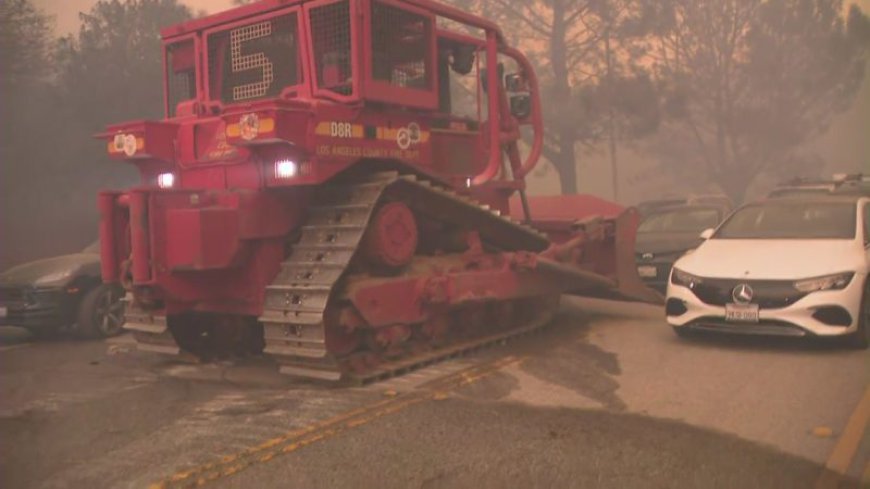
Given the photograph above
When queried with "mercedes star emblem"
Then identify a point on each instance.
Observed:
(742, 294)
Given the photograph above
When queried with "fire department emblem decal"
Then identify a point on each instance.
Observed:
(249, 126)
(129, 145)
(407, 136)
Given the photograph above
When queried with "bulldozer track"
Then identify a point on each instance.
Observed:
(455, 350)
(297, 300)
(150, 330)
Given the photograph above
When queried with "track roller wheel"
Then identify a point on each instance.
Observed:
(436, 328)
(388, 338)
(391, 239)
(341, 342)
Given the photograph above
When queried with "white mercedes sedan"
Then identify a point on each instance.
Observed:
(788, 267)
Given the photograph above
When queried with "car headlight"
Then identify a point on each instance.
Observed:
(837, 281)
(54, 278)
(679, 277)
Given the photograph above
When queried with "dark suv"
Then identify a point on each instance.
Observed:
(46, 295)
(666, 233)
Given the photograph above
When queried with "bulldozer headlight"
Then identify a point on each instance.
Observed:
(166, 180)
(286, 169)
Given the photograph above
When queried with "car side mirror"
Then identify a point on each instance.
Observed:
(707, 233)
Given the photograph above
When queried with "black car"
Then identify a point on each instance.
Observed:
(666, 233)
(46, 295)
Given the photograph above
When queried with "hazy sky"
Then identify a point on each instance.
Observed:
(67, 20)
(66, 12)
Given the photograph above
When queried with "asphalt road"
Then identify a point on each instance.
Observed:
(605, 397)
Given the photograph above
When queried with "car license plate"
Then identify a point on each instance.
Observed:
(3, 311)
(741, 313)
(646, 271)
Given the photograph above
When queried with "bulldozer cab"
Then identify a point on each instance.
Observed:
(392, 59)
(412, 54)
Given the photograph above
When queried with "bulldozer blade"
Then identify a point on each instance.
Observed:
(629, 283)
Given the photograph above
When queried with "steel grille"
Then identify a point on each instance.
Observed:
(254, 61)
(330, 32)
(768, 294)
(400, 47)
(181, 74)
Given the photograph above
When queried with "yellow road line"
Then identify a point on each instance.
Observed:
(14, 347)
(841, 457)
(328, 428)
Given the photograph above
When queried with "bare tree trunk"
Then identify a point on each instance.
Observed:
(611, 123)
(566, 161)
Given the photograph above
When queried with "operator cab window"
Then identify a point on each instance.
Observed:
(331, 47)
(401, 68)
(400, 47)
(254, 61)
(180, 74)
(458, 78)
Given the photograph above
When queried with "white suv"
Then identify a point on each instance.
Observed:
(790, 267)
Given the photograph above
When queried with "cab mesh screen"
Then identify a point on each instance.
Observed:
(400, 47)
(180, 73)
(254, 61)
(330, 33)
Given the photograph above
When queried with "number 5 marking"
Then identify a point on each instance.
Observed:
(251, 61)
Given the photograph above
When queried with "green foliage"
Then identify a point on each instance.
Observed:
(25, 37)
(52, 167)
(111, 71)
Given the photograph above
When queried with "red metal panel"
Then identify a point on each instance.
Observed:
(201, 239)
(108, 245)
(208, 177)
(140, 237)
(246, 176)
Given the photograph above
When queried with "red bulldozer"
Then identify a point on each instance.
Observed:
(332, 185)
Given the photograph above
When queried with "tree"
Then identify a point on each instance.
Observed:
(749, 81)
(585, 54)
(110, 72)
(25, 36)
(25, 40)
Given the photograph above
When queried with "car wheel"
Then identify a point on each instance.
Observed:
(101, 313)
(860, 339)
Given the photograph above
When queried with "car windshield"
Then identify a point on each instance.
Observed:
(791, 220)
(680, 221)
